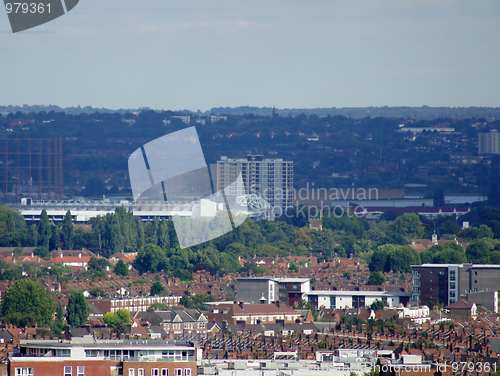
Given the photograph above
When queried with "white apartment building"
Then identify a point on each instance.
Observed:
(271, 179)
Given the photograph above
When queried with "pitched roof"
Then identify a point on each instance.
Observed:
(62, 260)
(461, 304)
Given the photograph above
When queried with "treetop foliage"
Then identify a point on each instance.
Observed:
(26, 298)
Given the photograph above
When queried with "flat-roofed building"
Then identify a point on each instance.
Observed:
(135, 304)
(86, 356)
(489, 143)
(288, 291)
(240, 312)
(271, 179)
(333, 299)
(444, 283)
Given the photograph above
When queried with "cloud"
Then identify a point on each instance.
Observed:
(216, 26)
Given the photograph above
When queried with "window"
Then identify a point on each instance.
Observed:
(164, 372)
(91, 353)
(441, 272)
(63, 352)
(131, 372)
(81, 371)
(68, 371)
(25, 371)
(141, 372)
(187, 371)
(155, 372)
(452, 275)
(475, 281)
(178, 372)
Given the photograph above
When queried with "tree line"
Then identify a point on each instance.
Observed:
(383, 243)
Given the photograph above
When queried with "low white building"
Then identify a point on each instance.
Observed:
(331, 299)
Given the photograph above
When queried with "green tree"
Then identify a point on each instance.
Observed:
(448, 253)
(479, 251)
(394, 257)
(68, 231)
(150, 258)
(77, 310)
(121, 268)
(375, 278)
(98, 264)
(303, 237)
(97, 291)
(119, 320)
(12, 228)
(379, 261)
(157, 288)
(18, 252)
(44, 230)
(406, 227)
(449, 227)
(401, 259)
(378, 305)
(59, 320)
(28, 298)
(42, 252)
(292, 266)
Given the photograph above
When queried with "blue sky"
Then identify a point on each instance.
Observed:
(198, 54)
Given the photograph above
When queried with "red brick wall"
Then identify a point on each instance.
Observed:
(171, 366)
(101, 367)
(92, 367)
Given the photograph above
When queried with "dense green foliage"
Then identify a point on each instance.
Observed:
(376, 278)
(157, 288)
(383, 244)
(448, 253)
(196, 301)
(118, 320)
(77, 309)
(396, 258)
(27, 302)
(121, 268)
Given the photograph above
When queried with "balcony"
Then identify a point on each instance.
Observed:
(150, 358)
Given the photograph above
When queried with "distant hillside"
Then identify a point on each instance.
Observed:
(417, 113)
(25, 109)
(421, 113)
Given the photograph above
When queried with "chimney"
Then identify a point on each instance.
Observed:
(79, 255)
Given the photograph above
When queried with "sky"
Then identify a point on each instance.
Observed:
(199, 54)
